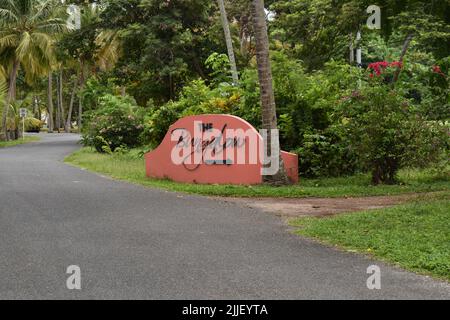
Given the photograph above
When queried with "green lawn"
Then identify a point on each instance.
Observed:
(28, 139)
(415, 236)
(130, 167)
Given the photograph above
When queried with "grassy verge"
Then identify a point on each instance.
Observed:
(130, 167)
(28, 139)
(415, 236)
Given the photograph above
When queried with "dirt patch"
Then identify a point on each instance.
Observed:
(298, 207)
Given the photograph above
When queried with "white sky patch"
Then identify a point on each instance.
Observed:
(270, 15)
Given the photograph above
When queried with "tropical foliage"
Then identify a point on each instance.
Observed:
(136, 66)
(28, 29)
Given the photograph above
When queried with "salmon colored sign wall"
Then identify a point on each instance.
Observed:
(213, 149)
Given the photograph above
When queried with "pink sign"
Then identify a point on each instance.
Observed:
(213, 149)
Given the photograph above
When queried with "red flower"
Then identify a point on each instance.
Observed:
(396, 64)
(379, 67)
(437, 70)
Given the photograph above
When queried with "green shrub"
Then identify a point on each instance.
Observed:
(33, 125)
(386, 133)
(326, 154)
(219, 64)
(117, 123)
(304, 101)
(196, 98)
(304, 104)
(94, 90)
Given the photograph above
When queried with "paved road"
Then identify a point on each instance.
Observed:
(137, 243)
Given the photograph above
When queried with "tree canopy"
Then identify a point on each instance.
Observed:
(170, 58)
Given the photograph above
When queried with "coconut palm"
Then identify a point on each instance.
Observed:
(2, 88)
(2, 95)
(229, 41)
(269, 114)
(108, 49)
(87, 58)
(27, 30)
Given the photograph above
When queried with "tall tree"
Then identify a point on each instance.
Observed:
(68, 123)
(269, 113)
(166, 44)
(229, 41)
(27, 30)
(61, 99)
(2, 88)
(83, 44)
(50, 102)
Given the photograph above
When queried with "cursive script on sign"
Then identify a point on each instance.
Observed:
(210, 142)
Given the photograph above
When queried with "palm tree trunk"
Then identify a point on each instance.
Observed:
(35, 107)
(61, 97)
(50, 102)
(269, 115)
(39, 109)
(243, 37)
(58, 106)
(11, 97)
(229, 41)
(80, 100)
(80, 114)
(69, 113)
(351, 49)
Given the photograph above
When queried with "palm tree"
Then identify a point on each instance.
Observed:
(27, 30)
(109, 49)
(269, 114)
(229, 41)
(89, 16)
(2, 88)
(50, 102)
(68, 122)
(107, 53)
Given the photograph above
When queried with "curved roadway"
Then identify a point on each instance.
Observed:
(133, 242)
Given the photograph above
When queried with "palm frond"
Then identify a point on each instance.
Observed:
(8, 41)
(7, 16)
(42, 11)
(9, 5)
(2, 74)
(23, 49)
(31, 37)
(109, 49)
(52, 26)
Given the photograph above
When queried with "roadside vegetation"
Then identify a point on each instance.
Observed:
(126, 70)
(414, 236)
(129, 166)
(27, 139)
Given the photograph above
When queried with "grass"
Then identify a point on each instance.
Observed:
(130, 167)
(414, 236)
(28, 139)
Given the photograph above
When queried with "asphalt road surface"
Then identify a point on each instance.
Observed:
(132, 242)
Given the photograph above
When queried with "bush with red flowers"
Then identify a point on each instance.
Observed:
(387, 134)
(379, 68)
